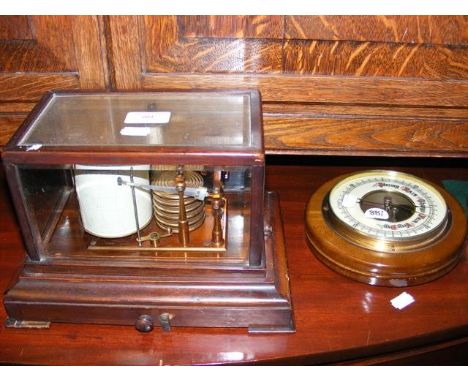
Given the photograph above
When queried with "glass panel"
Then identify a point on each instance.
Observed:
(199, 119)
(85, 212)
(46, 191)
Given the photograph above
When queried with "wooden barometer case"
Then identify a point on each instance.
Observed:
(147, 209)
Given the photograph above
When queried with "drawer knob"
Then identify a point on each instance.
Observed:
(144, 323)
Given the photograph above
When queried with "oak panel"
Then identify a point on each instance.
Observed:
(61, 44)
(28, 56)
(15, 28)
(123, 42)
(55, 33)
(355, 136)
(339, 104)
(336, 68)
(406, 29)
(167, 50)
(90, 52)
(30, 87)
(231, 26)
(316, 110)
(221, 56)
(8, 125)
(325, 89)
(51, 49)
(58, 52)
(17, 107)
(375, 59)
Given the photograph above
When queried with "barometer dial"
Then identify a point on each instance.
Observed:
(387, 210)
(385, 228)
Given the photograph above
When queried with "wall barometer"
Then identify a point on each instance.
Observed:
(385, 228)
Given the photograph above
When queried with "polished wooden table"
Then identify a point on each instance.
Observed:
(338, 321)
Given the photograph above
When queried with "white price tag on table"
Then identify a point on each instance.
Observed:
(402, 301)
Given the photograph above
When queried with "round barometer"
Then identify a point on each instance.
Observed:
(385, 228)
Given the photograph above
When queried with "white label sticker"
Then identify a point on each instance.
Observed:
(135, 131)
(402, 301)
(376, 213)
(148, 117)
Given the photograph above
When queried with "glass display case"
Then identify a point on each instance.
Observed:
(147, 209)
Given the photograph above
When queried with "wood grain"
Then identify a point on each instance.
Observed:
(313, 72)
(407, 74)
(354, 111)
(324, 89)
(22, 107)
(220, 56)
(28, 56)
(123, 42)
(231, 26)
(8, 125)
(166, 50)
(58, 52)
(369, 59)
(61, 44)
(349, 136)
(90, 54)
(451, 30)
(49, 50)
(55, 33)
(15, 28)
(289, 131)
(31, 87)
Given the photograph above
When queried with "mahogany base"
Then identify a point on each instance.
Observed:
(224, 296)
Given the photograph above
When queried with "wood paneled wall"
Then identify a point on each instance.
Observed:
(342, 85)
(40, 53)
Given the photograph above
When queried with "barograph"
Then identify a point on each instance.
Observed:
(147, 209)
